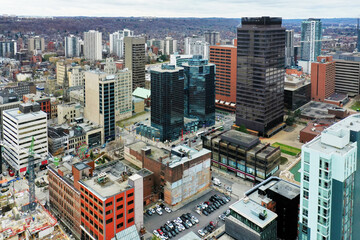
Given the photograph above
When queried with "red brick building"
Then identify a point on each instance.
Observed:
(64, 192)
(45, 104)
(171, 170)
(95, 207)
(108, 206)
(225, 59)
(322, 78)
(314, 129)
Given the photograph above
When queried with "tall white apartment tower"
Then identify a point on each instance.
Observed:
(117, 41)
(19, 126)
(330, 176)
(72, 46)
(197, 46)
(93, 45)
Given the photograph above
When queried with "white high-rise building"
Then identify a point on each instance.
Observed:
(330, 174)
(117, 41)
(170, 45)
(93, 45)
(19, 126)
(311, 35)
(72, 46)
(197, 46)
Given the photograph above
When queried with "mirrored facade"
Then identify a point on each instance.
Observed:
(199, 89)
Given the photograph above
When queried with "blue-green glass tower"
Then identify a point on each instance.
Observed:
(199, 101)
(167, 101)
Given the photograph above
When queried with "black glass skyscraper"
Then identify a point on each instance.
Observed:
(167, 101)
(200, 90)
(260, 73)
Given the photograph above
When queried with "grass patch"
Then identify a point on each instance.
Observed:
(355, 106)
(283, 160)
(292, 151)
(130, 120)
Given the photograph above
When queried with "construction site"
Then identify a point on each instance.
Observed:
(18, 222)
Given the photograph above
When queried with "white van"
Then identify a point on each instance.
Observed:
(216, 182)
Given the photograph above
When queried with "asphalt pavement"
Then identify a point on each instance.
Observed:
(155, 221)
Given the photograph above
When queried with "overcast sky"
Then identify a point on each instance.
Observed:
(184, 8)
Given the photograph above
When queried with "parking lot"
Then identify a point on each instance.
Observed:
(155, 221)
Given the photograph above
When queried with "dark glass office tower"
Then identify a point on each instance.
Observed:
(167, 101)
(200, 90)
(260, 73)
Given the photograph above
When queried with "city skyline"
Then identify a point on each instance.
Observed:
(186, 8)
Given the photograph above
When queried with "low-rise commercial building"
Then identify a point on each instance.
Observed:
(242, 154)
(283, 198)
(251, 221)
(297, 91)
(314, 129)
(182, 166)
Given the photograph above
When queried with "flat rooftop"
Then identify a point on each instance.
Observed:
(111, 187)
(240, 138)
(156, 153)
(339, 133)
(337, 97)
(286, 189)
(250, 210)
(18, 115)
(316, 127)
(318, 110)
(182, 154)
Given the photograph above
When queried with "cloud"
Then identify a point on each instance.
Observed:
(184, 8)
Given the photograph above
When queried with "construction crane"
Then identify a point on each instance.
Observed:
(31, 167)
(31, 179)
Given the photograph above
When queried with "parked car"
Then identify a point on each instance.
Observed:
(167, 209)
(228, 189)
(156, 233)
(212, 223)
(205, 212)
(160, 232)
(195, 219)
(149, 212)
(152, 210)
(201, 233)
(185, 225)
(4, 190)
(222, 217)
(170, 224)
(159, 212)
(189, 223)
(4, 174)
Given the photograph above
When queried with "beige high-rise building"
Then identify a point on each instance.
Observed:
(93, 45)
(76, 76)
(67, 112)
(36, 43)
(60, 73)
(135, 60)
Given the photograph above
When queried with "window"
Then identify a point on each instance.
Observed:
(120, 216)
(119, 207)
(130, 220)
(108, 212)
(100, 230)
(130, 202)
(131, 210)
(108, 204)
(119, 199)
(306, 177)
(109, 221)
(130, 194)
(120, 225)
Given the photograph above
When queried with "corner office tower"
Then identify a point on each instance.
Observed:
(260, 74)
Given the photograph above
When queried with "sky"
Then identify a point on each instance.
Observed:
(184, 8)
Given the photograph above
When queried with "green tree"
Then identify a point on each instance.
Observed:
(290, 121)
(242, 128)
